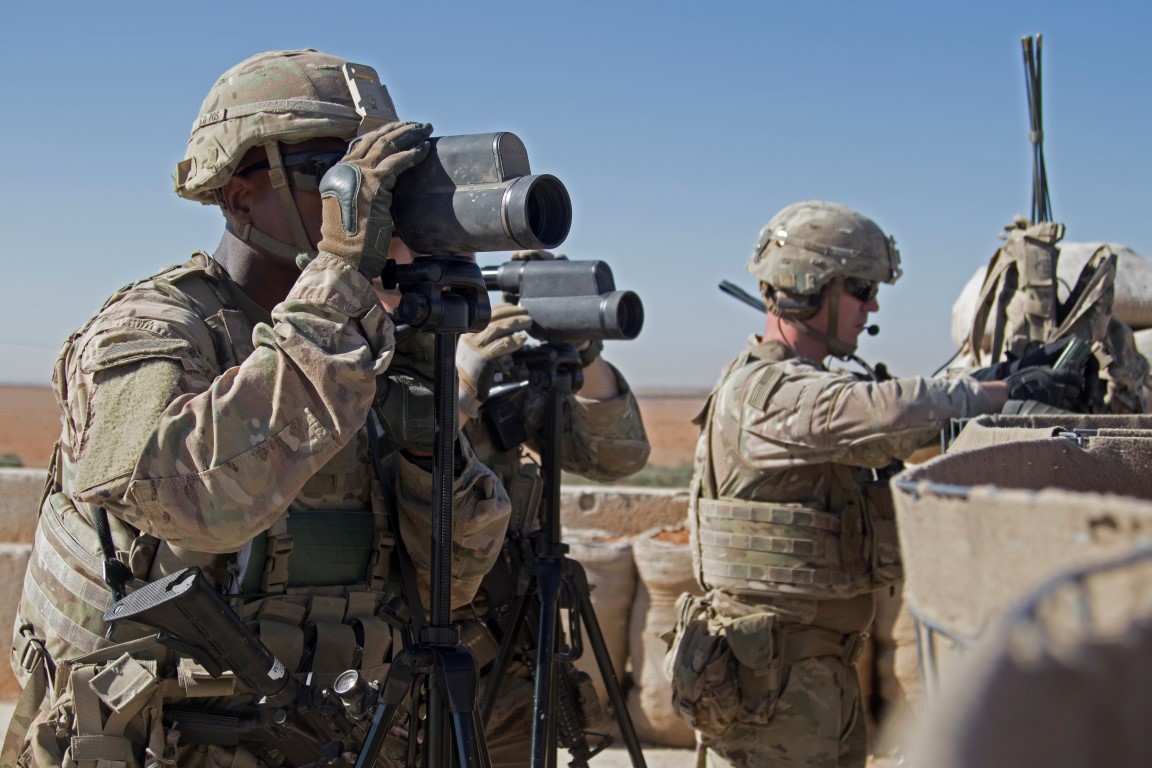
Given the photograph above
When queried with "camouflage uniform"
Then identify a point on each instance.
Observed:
(602, 440)
(215, 434)
(791, 574)
(791, 531)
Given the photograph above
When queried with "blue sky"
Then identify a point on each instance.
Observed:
(678, 128)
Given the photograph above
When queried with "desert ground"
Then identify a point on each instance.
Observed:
(29, 424)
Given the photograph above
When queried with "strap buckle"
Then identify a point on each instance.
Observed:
(32, 655)
(854, 644)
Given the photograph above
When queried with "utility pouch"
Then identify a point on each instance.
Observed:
(884, 542)
(107, 714)
(700, 665)
(754, 641)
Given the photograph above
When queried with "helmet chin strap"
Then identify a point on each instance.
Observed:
(264, 241)
(836, 345)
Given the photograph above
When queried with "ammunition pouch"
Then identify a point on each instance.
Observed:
(722, 674)
(727, 671)
(105, 712)
(324, 635)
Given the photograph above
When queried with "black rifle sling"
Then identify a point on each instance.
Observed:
(116, 573)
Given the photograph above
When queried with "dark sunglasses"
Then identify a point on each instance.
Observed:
(861, 290)
(307, 167)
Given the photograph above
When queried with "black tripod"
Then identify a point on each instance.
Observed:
(555, 369)
(444, 295)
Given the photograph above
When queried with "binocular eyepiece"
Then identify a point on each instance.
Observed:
(569, 300)
(477, 193)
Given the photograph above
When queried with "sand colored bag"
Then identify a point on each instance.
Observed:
(981, 526)
(664, 566)
(607, 560)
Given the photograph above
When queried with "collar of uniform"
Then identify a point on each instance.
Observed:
(252, 311)
(771, 350)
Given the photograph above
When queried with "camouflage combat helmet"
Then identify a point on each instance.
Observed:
(273, 98)
(807, 244)
(814, 244)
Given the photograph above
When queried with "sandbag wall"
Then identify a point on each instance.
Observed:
(1013, 502)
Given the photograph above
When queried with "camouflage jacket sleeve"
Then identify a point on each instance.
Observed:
(480, 512)
(797, 413)
(204, 458)
(604, 440)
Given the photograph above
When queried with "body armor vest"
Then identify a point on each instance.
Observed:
(839, 547)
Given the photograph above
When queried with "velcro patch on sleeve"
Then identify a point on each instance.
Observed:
(127, 403)
(763, 389)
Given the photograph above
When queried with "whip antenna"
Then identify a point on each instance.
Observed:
(1041, 203)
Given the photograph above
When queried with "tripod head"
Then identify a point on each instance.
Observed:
(440, 294)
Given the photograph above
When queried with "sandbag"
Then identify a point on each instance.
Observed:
(664, 567)
(607, 560)
(980, 527)
(896, 670)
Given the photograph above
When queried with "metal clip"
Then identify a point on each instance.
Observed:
(369, 97)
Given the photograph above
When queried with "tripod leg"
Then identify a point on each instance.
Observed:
(595, 637)
(439, 741)
(504, 656)
(402, 678)
(458, 680)
(548, 573)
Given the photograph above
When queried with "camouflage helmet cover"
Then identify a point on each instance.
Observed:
(281, 96)
(809, 243)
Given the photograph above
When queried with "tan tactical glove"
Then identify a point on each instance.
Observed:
(357, 194)
(480, 355)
